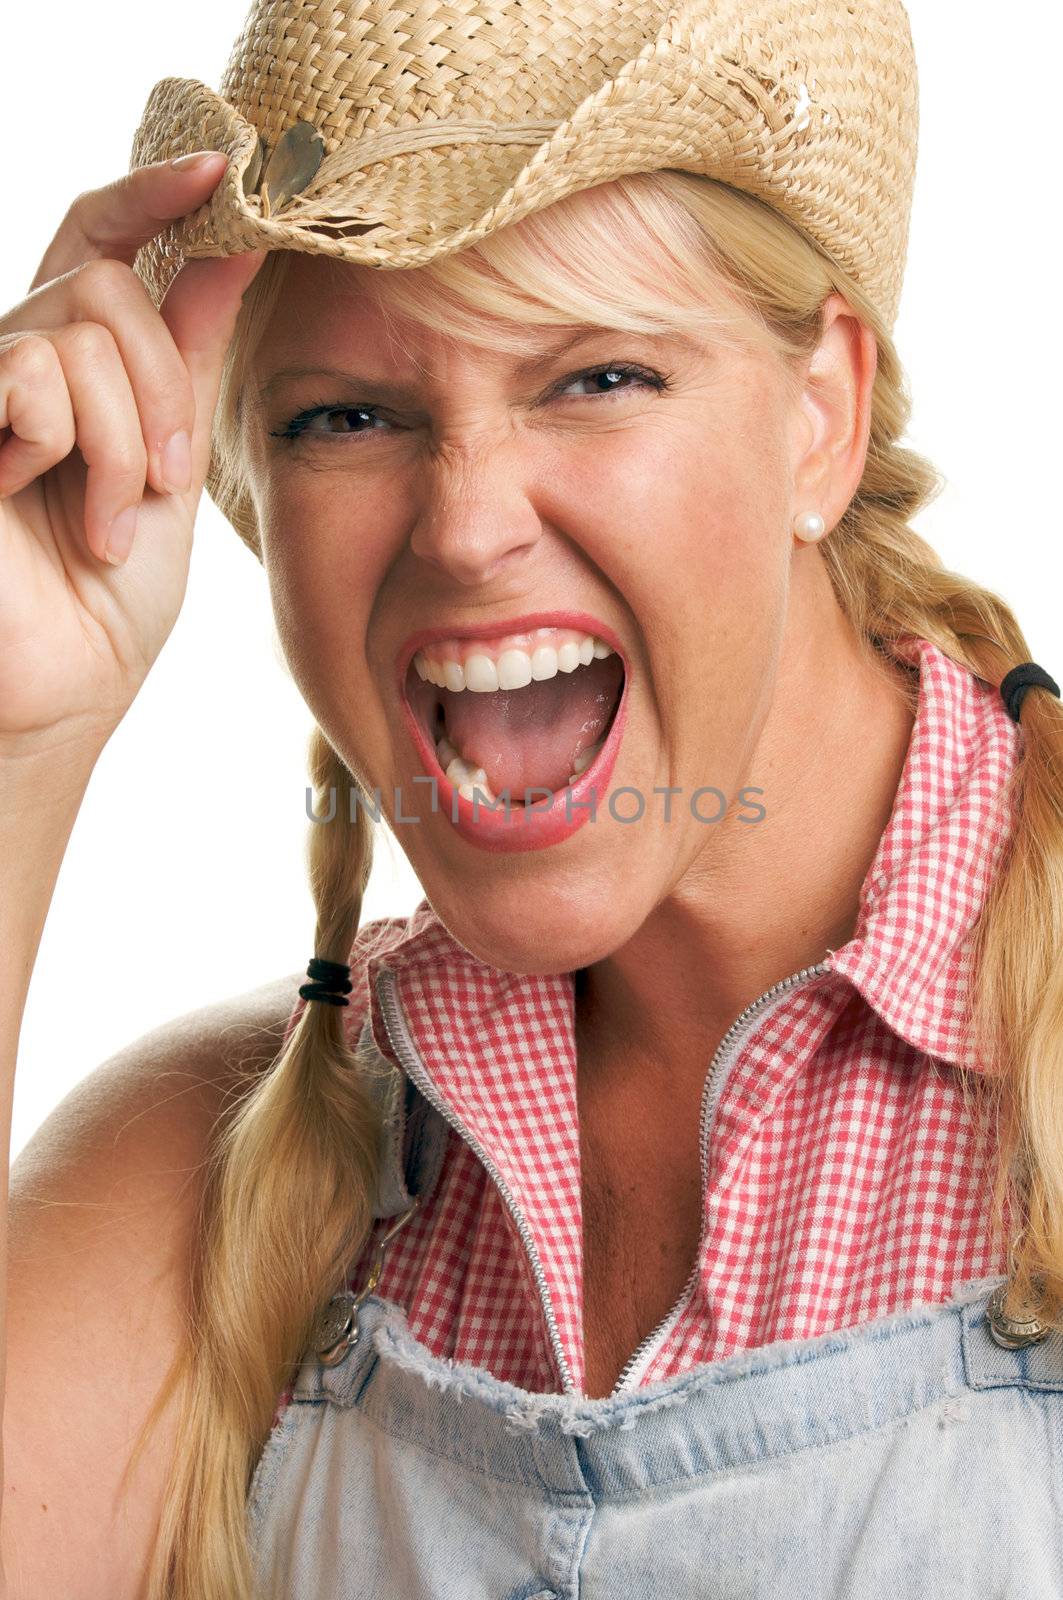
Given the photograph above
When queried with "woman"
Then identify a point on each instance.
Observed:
(663, 1159)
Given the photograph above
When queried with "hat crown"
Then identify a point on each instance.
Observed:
(393, 65)
(390, 65)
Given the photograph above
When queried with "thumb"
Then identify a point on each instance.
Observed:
(200, 310)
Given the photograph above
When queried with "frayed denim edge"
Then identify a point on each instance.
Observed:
(574, 1414)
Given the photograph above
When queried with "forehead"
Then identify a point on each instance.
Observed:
(331, 314)
(595, 259)
(320, 296)
(339, 314)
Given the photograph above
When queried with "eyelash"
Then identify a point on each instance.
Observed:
(297, 426)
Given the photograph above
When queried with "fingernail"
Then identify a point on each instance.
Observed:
(177, 463)
(196, 158)
(120, 535)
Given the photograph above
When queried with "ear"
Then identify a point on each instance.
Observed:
(832, 414)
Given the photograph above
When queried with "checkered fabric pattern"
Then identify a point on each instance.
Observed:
(846, 1178)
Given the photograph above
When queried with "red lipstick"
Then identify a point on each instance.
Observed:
(545, 820)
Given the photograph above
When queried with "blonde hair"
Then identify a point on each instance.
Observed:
(291, 1171)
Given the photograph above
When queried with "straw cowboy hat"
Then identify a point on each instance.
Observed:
(391, 133)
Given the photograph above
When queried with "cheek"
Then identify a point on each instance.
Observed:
(691, 534)
(692, 537)
(325, 557)
(325, 570)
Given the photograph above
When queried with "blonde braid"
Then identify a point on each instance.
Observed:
(890, 582)
(287, 1207)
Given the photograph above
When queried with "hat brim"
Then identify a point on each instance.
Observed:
(403, 196)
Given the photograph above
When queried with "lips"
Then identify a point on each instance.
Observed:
(525, 742)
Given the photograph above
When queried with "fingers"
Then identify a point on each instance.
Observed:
(69, 387)
(174, 384)
(87, 359)
(200, 312)
(110, 293)
(113, 222)
(35, 405)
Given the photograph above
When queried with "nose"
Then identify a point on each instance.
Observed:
(476, 515)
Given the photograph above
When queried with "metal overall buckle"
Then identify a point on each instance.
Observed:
(336, 1329)
(1012, 1333)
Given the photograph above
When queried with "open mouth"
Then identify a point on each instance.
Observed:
(519, 716)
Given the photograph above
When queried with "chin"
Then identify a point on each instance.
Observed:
(527, 931)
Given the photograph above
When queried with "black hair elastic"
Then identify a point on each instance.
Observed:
(1027, 675)
(331, 981)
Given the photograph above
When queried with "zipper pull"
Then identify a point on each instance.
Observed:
(336, 1330)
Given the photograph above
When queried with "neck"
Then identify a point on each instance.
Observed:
(772, 897)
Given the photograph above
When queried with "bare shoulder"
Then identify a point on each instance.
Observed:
(103, 1200)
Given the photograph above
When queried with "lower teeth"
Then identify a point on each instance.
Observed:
(471, 780)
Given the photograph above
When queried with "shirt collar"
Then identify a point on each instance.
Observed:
(909, 953)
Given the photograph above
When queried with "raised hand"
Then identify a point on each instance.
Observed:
(106, 407)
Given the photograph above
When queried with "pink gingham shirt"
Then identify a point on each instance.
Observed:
(845, 1176)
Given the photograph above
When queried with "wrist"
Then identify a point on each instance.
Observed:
(44, 777)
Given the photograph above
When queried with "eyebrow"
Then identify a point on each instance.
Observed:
(406, 394)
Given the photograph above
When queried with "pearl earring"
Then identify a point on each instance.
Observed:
(809, 525)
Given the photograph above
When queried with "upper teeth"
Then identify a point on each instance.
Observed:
(512, 668)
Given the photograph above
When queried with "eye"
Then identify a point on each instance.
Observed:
(338, 419)
(612, 377)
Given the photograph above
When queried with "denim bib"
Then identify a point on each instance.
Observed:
(904, 1458)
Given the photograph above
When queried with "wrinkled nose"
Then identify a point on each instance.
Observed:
(476, 516)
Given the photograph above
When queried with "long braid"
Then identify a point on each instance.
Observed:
(890, 582)
(287, 1207)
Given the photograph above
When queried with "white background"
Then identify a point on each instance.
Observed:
(185, 881)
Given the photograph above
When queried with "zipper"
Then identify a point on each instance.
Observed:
(406, 1051)
(727, 1050)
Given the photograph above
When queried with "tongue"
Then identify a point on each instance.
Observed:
(531, 736)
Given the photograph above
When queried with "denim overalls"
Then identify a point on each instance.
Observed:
(911, 1456)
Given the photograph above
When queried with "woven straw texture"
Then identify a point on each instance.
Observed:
(443, 120)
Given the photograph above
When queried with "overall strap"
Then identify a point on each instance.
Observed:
(413, 1136)
(413, 1141)
(1036, 1365)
